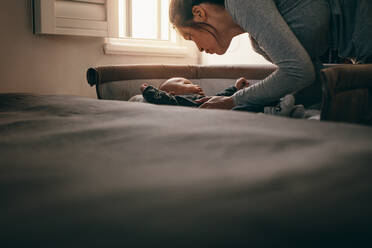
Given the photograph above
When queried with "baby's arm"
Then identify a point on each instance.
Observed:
(240, 84)
(156, 96)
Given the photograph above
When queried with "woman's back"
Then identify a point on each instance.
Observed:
(336, 25)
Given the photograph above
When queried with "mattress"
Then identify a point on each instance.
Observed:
(80, 172)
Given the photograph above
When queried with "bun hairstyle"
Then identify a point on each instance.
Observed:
(180, 11)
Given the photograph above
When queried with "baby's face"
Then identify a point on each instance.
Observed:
(181, 86)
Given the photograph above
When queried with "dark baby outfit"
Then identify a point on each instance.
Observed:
(156, 96)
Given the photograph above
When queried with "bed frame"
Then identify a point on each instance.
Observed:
(344, 91)
(123, 82)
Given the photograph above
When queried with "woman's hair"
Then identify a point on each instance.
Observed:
(180, 11)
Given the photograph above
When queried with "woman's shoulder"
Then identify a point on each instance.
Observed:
(248, 13)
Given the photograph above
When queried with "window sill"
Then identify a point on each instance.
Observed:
(146, 48)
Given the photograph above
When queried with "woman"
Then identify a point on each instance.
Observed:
(292, 34)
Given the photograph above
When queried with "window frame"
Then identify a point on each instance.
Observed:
(145, 47)
(122, 46)
(100, 18)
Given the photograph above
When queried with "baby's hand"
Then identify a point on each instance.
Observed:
(200, 91)
(241, 83)
(143, 87)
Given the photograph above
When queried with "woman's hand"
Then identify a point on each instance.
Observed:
(219, 102)
(204, 99)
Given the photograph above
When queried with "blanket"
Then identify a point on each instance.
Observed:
(80, 172)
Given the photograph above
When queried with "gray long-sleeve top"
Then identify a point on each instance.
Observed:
(293, 34)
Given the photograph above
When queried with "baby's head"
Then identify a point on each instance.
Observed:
(180, 86)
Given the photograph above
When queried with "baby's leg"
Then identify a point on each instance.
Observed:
(284, 108)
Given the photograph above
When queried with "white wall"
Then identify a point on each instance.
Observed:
(52, 64)
(239, 52)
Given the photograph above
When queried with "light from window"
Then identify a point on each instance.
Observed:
(164, 20)
(145, 19)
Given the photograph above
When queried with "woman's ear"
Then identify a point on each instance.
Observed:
(199, 14)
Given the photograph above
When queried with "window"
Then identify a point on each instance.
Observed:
(132, 27)
(151, 22)
(143, 28)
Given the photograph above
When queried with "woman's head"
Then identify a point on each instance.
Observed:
(181, 11)
(206, 22)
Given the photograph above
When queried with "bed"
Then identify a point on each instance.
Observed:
(81, 172)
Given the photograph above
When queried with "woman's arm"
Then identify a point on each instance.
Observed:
(262, 20)
(258, 49)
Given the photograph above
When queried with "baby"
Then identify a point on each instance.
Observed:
(182, 92)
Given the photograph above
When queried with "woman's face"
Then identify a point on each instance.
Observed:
(206, 39)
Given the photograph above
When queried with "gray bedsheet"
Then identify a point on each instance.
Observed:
(79, 172)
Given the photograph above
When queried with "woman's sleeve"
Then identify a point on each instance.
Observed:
(262, 20)
(258, 49)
